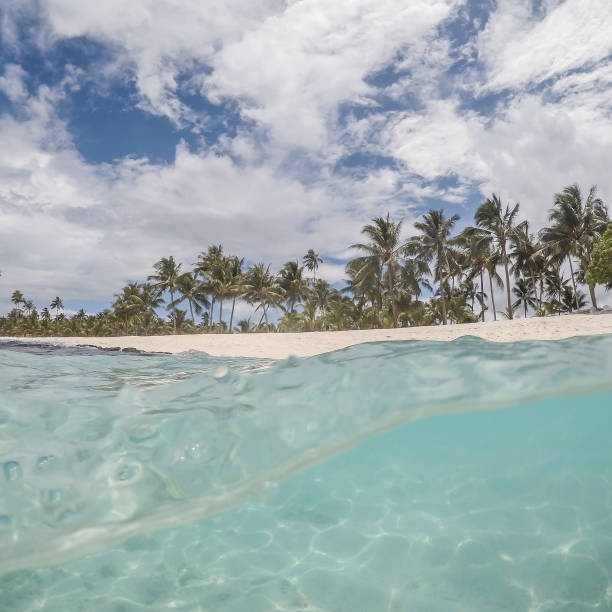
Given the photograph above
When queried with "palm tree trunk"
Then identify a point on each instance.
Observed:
(191, 309)
(261, 320)
(220, 311)
(573, 281)
(173, 309)
(592, 293)
(492, 298)
(266, 314)
(443, 303)
(379, 300)
(541, 292)
(210, 314)
(510, 315)
(391, 293)
(525, 305)
(481, 296)
(232, 315)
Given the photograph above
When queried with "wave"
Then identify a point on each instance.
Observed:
(96, 450)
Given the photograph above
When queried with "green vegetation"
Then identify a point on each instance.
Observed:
(600, 266)
(384, 284)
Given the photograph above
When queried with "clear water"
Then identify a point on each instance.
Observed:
(415, 476)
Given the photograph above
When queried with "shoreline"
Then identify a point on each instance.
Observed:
(307, 344)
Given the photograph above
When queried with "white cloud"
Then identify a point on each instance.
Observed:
(294, 70)
(158, 39)
(288, 63)
(83, 231)
(531, 150)
(11, 83)
(519, 48)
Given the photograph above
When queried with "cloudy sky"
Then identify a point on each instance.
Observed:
(134, 130)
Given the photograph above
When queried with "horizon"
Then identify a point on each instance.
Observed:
(136, 134)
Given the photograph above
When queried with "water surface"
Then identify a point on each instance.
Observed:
(397, 476)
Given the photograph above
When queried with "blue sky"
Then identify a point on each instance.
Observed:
(143, 129)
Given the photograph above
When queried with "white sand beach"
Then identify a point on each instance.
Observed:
(281, 345)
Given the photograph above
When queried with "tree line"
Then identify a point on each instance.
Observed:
(386, 282)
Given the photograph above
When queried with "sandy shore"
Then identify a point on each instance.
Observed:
(278, 346)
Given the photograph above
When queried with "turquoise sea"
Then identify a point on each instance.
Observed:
(418, 476)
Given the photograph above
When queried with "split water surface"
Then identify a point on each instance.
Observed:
(421, 476)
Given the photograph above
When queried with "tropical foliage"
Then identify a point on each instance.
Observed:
(436, 276)
(600, 268)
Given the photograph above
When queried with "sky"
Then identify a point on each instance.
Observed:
(135, 130)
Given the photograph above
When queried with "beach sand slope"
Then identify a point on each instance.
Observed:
(279, 346)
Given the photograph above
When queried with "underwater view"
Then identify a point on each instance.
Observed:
(422, 476)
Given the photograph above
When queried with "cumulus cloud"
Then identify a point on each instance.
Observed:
(11, 83)
(519, 46)
(157, 40)
(84, 230)
(288, 64)
(296, 68)
(526, 153)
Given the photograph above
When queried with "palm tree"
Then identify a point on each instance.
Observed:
(386, 248)
(17, 298)
(476, 247)
(311, 262)
(498, 223)
(555, 286)
(412, 277)
(178, 318)
(494, 277)
(29, 308)
(571, 301)
(128, 305)
(529, 259)
(470, 291)
(365, 282)
(244, 326)
(220, 282)
(340, 311)
(237, 284)
(508, 313)
(524, 292)
(576, 227)
(207, 262)
(57, 305)
(293, 284)
(167, 272)
(263, 290)
(433, 244)
(192, 291)
(150, 296)
(309, 315)
(320, 294)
